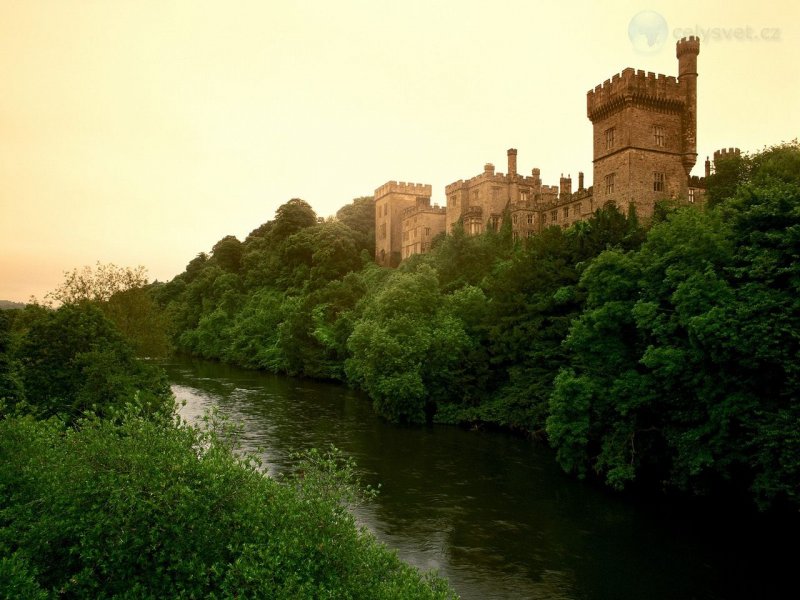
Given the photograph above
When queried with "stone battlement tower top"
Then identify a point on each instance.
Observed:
(645, 133)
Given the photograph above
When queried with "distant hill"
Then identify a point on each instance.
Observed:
(8, 305)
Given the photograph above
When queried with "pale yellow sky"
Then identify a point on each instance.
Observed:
(141, 132)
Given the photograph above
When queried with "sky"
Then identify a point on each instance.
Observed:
(140, 132)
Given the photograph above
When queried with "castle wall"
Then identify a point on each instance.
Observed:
(420, 224)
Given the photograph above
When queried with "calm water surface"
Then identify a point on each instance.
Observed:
(491, 512)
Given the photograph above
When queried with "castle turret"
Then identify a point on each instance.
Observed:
(580, 181)
(687, 50)
(512, 162)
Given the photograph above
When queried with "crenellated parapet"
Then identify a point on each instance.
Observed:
(726, 153)
(636, 87)
(423, 208)
(411, 189)
(697, 182)
(687, 45)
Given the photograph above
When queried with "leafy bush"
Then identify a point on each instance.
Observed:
(142, 509)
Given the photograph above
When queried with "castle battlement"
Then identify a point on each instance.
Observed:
(412, 189)
(725, 153)
(636, 86)
(423, 209)
(687, 45)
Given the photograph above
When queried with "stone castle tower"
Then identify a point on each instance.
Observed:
(391, 200)
(645, 133)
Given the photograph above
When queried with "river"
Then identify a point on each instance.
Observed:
(490, 511)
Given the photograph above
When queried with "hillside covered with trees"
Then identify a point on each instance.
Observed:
(665, 355)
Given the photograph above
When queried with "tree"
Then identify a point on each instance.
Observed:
(97, 284)
(407, 349)
(291, 217)
(227, 253)
(359, 216)
(74, 360)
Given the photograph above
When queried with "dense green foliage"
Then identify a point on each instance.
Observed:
(665, 354)
(71, 361)
(139, 508)
(104, 493)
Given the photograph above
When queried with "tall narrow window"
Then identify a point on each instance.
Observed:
(566, 212)
(554, 216)
(658, 136)
(530, 219)
(609, 180)
(658, 182)
(610, 136)
(691, 195)
(385, 209)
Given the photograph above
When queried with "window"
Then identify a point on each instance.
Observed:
(658, 136)
(576, 209)
(453, 200)
(495, 223)
(530, 219)
(530, 234)
(691, 195)
(566, 212)
(658, 182)
(495, 193)
(514, 219)
(475, 195)
(610, 135)
(427, 232)
(523, 195)
(385, 209)
(554, 216)
(383, 231)
(516, 236)
(609, 180)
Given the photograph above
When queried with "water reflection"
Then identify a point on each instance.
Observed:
(491, 512)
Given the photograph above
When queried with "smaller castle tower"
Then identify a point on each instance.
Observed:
(391, 199)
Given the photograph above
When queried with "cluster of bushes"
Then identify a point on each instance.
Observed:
(105, 493)
(666, 353)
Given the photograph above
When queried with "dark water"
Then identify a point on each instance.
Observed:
(491, 511)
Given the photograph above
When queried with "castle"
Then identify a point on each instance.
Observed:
(644, 148)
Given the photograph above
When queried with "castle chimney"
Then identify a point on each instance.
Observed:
(566, 186)
(580, 180)
(488, 169)
(708, 167)
(512, 162)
